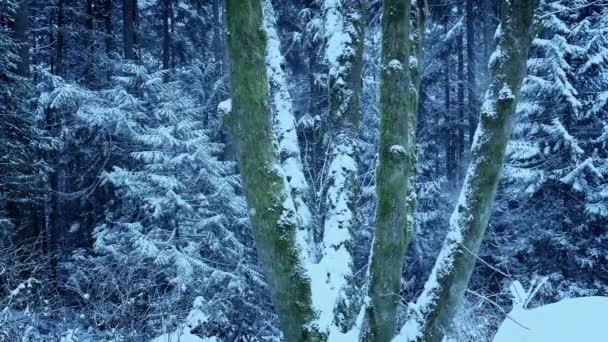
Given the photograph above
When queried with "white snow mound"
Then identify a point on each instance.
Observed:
(570, 320)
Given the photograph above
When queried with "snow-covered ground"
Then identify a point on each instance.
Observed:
(582, 319)
(184, 333)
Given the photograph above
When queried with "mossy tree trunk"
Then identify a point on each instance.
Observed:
(432, 315)
(271, 208)
(396, 156)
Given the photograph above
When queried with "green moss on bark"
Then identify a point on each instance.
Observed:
(507, 71)
(265, 187)
(396, 164)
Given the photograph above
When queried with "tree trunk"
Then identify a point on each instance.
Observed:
(284, 125)
(129, 12)
(332, 293)
(90, 27)
(271, 208)
(107, 23)
(54, 203)
(217, 32)
(460, 147)
(432, 314)
(489, 26)
(449, 120)
(396, 157)
(60, 38)
(166, 35)
(21, 36)
(472, 104)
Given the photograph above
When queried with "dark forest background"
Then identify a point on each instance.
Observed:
(121, 205)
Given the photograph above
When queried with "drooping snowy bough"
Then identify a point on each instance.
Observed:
(431, 315)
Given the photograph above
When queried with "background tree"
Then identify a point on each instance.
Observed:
(435, 308)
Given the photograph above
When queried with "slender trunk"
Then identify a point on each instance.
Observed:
(107, 23)
(472, 104)
(460, 98)
(60, 38)
(90, 26)
(54, 127)
(51, 43)
(166, 52)
(129, 10)
(217, 31)
(21, 36)
(53, 233)
(284, 128)
(396, 157)
(271, 208)
(449, 129)
(109, 34)
(489, 26)
(432, 314)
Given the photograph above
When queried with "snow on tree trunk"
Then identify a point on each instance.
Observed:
(332, 286)
(271, 208)
(396, 158)
(284, 125)
(430, 317)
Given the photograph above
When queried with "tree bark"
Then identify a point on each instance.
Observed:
(21, 36)
(166, 35)
(107, 23)
(284, 127)
(271, 208)
(60, 38)
(344, 56)
(472, 104)
(396, 157)
(90, 27)
(218, 50)
(432, 314)
(460, 145)
(129, 13)
(449, 120)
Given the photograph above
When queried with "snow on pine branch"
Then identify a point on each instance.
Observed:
(338, 31)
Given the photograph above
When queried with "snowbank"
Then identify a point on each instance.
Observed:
(582, 319)
(183, 336)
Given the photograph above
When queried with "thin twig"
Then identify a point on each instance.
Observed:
(485, 262)
(499, 308)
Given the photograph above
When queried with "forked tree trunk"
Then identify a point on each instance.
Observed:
(432, 314)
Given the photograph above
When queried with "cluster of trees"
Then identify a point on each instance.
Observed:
(293, 167)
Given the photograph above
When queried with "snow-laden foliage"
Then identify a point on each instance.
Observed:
(567, 320)
(555, 209)
(121, 208)
(178, 221)
(17, 169)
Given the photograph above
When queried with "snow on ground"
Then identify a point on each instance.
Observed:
(183, 336)
(582, 319)
(184, 333)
